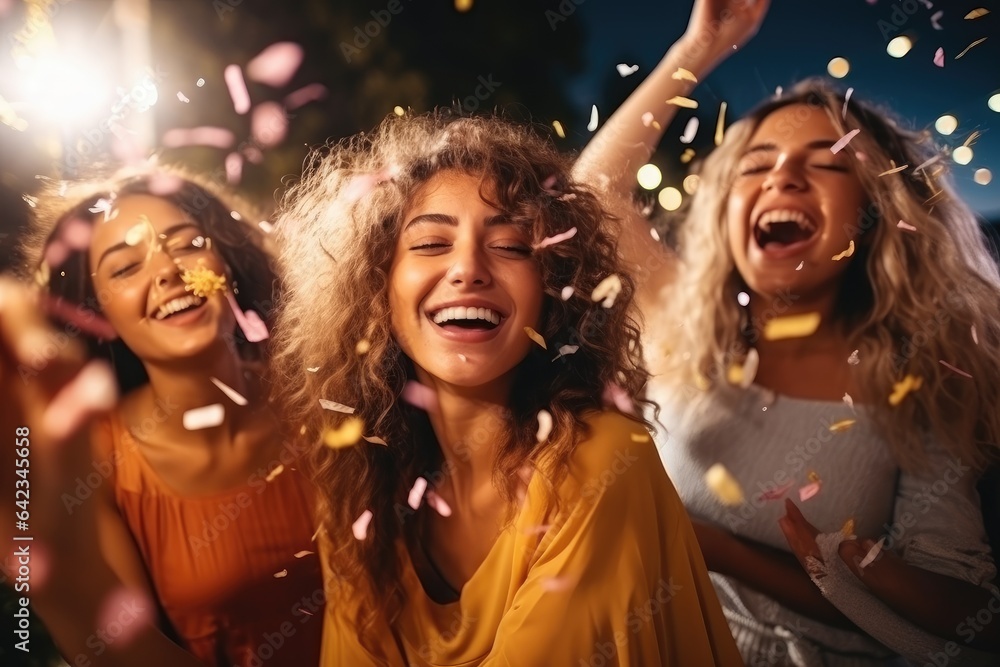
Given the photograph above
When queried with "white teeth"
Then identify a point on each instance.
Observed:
(466, 313)
(180, 303)
(785, 215)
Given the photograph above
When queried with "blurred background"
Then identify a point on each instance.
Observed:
(88, 84)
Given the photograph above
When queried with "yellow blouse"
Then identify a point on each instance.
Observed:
(616, 579)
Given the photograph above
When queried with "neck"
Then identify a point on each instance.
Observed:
(766, 307)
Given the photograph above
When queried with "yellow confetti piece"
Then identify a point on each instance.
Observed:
(687, 155)
(348, 434)
(363, 346)
(138, 233)
(966, 50)
(723, 485)
(701, 382)
(977, 13)
(559, 129)
(682, 74)
(202, 281)
(813, 476)
(847, 528)
(720, 126)
(743, 375)
(792, 326)
(893, 170)
(607, 291)
(904, 387)
(535, 336)
(274, 473)
(639, 437)
(399, 111)
(842, 425)
(846, 253)
(685, 102)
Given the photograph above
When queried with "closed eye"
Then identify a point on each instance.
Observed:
(833, 167)
(523, 251)
(125, 270)
(754, 169)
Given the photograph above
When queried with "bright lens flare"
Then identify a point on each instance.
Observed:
(670, 198)
(962, 155)
(838, 68)
(64, 90)
(649, 176)
(899, 46)
(946, 124)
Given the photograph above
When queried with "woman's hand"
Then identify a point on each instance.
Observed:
(717, 545)
(716, 26)
(801, 536)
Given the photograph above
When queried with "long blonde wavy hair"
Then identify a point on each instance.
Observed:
(908, 301)
(338, 231)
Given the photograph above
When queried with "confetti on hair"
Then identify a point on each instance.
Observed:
(654, 234)
(566, 350)
(278, 469)
(954, 369)
(268, 124)
(607, 291)
(216, 137)
(375, 440)
(791, 326)
(336, 407)
(557, 238)
(566, 292)
(559, 129)
(360, 526)
(87, 321)
(304, 553)
(106, 206)
(842, 425)
(233, 76)
(685, 102)
(544, 425)
(437, 503)
(535, 336)
(615, 395)
(935, 18)
(231, 393)
(846, 253)
(848, 401)
(776, 493)
(854, 360)
(975, 336)
(362, 346)
(281, 575)
(254, 329)
(903, 387)
(626, 70)
(809, 490)
(690, 130)
(681, 74)
(312, 369)
(183, 98)
(872, 554)
(847, 99)
(203, 281)
(723, 485)
(977, 13)
(276, 65)
(416, 494)
(843, 141)
(346, 435)
(305, 95)
(966, 49)
(592, 125)
(207, 416)
(720, 125)
(419, 396)
(905, 226)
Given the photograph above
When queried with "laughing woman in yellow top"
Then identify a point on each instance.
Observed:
(460, 297)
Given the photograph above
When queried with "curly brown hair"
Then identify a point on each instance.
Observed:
(337, 243)
(226, 218)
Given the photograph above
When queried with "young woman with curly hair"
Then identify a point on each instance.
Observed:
(450, 285)
(877, 417)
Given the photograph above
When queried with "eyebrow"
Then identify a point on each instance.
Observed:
(443, 219)
(769, 147)
(123, 245)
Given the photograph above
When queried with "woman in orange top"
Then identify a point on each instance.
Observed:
(198, 501)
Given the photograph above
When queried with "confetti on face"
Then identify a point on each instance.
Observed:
(205, 417)
(557, 238)
(776, 493)
(809, 490)
(233, 395)
(846, 253)
(305, 95)
(346, 435)
(843, 141)
(375, 440)
(720, 126)
(559, 129)
(842, 425)
(360, 526)
(654, 234)
(592, 125)
(281, 575)
(420, 396)
(792, 326)
(336, 407)
(954, 369)
(854, 360)
(544, 426)
(607, 291)
(690, 130)
(872, 554)
(566, 293)
(276, 65)
(566, 350)
(626, 70)
(274, 473)
(903, 387)
(685, 102)
(977, 13)
(437, 503)
(681, 74)
(203, 281)
(966, 50)
(107, 206)
(139, 232)
(939, 57)
(416, 494)
(535, 336)
(723, 485)
(906, 227)
(848, 401)
(183, 98)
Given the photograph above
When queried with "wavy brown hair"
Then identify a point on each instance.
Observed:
(337, 243)
(908, 301)
(230, 221)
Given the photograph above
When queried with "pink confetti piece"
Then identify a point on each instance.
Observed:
(303, 96)
(269, 124)
(843, 141)
(276, 65)
(557, 238)
(361, 185)
(567, 292)
(416, 493)
(420, 396)
(549, 183)
(207, 416)
(648, 119)
(183, 98)
(935, 18)
(76, 234)
(615, 395)
(975, 336)
(56, 253)
(848, 401)
(809, 490)
(234, 168)
(216, 137)
(626, 70)
(250, 323)
(903, 225)
(162, 184)
(872, 554)
(233, 395)
(360, 525)
(952, 368)
(847, 98)
(281, 575)
(939, 57)
(557, 584)
(237, 88)
(127, 610)
(336, 407)
(304, 553)
(801, 264)
(776, 493)
(437, 503)
(87, 321)
(544, 425)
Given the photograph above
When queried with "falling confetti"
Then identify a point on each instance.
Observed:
(743, 298)
(723, 485)
(233, 395)
(872, 554)
(690, 130)
(654, 234)
(801, 264)
(983, 176)
(557, 238)
(303, 553)
(977, 13)
(281, 575)
(681, 74)
(535, 336)
(362, 346)
(626, 70)
(744, 375)
(375, 440)
(607, 291)
(846, 253)
(567, 350)
(416, 494)
(566, 292)
(935, 20)
(843, 141)
(843, 424)
(720, 126)
(792, 326)
(776, 493)
(203, 281)
(233, 76)
(847, 98)
(854, 360)
(559, 129)
(903, 387)
(182, 97)
(278, 469)
(200, 83)
(848, 401)
(249, 322)
(685, 102)
(975, 336)
(639, 437)
(615, 395)
(305, 95)
(438, 504)
(954, 369)
(346, 435)
(939, 57)
(268, 124)
(312, 369)
(419, 396)
(809, 490)
(893, 170)
(208, 416)
(544, 425)
(966, 49)
(592, 125)
(336, 407)
(360, 526)
(276, 65)
(903, 225)
(216, 137)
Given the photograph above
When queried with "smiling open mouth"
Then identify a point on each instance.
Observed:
(484, 319)
(783, 227)
(179, 305)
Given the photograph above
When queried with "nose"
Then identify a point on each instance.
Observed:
(162, 266)
(470, 266)
(786, 174)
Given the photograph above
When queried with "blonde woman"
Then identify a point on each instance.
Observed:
(872, 420)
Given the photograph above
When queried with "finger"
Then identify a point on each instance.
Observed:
(30, 340)
(92, 392)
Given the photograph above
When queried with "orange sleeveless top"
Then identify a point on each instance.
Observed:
(235, 572)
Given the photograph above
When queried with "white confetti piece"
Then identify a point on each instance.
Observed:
(872, 554)
(336, 407)
(233, 395)
(419, 396)
(544, 425)
(626, 70)
(360, 526)
(200, 83)
(854, 360)
(847, 98)
(566, 350)
(281, 575)
(935, 20)
(437, 503)
(557, 238)
(313, 369)
(723, 485)
(690, 130)
(416, 494)
(233, 76)
(204, 417)
(464, 359)
(749, 370)
(653, 233)
(848, 401)
(567, 292)
(843, 141)
(954, 369)
(975, 336)
(278, 469)
(183, 98)
(649, 120)
(592, 125)
(607, 291)
(799, 267)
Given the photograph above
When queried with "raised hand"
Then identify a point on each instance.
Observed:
(716, 26)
